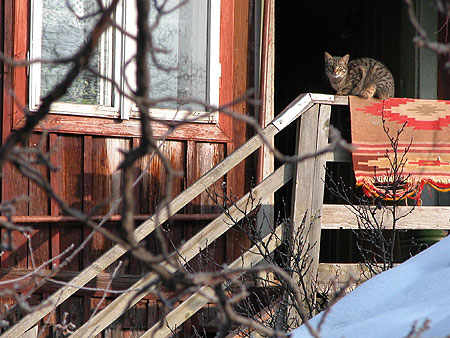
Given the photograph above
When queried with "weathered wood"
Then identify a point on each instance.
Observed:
(13, 184)
(341, 217)
(226, 61)
(55, 182)
(266, 160)
(87, 173)
(55, 175)
(106, 178)
(318, 186)
(329, 99)
(101, 281)
(21, 37)
(114, 218)
(296, 108)
(40, 243)
(190, 249)
(141, 232)
(154, 186)
(207, 156)
(71, 124)
(196, 301)
(39, 200)
(340, 274)
(302, 199)
(191, 170)
(87, 201)
(264, 315)
(71, 168)
(31, 333)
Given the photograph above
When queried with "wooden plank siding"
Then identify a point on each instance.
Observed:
(86, 151)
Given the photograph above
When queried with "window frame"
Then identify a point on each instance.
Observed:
(110, 110)
(16, 45)
(16, 80)
(122, 108)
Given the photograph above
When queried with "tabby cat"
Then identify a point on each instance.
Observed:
(364, 77)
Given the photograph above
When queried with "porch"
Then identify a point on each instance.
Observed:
(312, 113)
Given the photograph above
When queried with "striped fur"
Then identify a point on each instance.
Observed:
(363, 77)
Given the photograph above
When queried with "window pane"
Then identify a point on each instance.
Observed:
(62, 35)
(183, 34)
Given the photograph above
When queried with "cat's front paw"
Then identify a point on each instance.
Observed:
(341, 93)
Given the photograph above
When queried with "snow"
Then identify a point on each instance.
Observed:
(388, 304)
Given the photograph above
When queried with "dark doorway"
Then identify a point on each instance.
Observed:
(304, 31)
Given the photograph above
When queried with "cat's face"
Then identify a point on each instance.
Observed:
(336, 66)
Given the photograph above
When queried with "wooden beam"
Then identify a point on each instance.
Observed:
(318, 186)
(341, 217)
(340, 274)
(329, 99)
(196, 301)
(302, 201)
(112, 218)
(295, 109)
(141, 232)
(188, 251)
(72, 124)
(23, 281)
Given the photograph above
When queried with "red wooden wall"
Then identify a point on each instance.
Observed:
(87, 152)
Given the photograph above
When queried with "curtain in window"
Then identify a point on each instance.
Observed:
(63, 32)
(179, 68)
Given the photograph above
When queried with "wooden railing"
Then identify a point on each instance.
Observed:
(314, 112)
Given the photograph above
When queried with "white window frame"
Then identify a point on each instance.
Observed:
(112, 103)
(213, 75)
(124, 49)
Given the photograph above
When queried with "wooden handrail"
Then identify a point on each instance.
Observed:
(195, 302)
(426, 217)
(189, 250)
(299, 106)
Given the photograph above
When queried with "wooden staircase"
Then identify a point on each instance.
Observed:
(312, 113)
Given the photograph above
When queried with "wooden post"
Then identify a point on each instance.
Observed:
(307, 199)
(323, 130)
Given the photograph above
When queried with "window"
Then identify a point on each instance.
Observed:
(186, 41)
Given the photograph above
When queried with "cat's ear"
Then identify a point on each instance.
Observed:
(328, 57)
(345, 58)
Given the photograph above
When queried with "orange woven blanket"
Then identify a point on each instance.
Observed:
(426, 133)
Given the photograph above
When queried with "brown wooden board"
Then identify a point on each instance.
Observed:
(129, 128)
(20, 33)
(39, 202)
(18, 256)
(106, 179)
(71, 167)
(15, 185)
(68, 236)
(207, 155)
(135, 319)
(40, 246)
(74, 309)
(11, 316)
(153, 186)
(56, 176)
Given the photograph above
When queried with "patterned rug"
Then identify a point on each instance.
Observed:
(418, 129)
